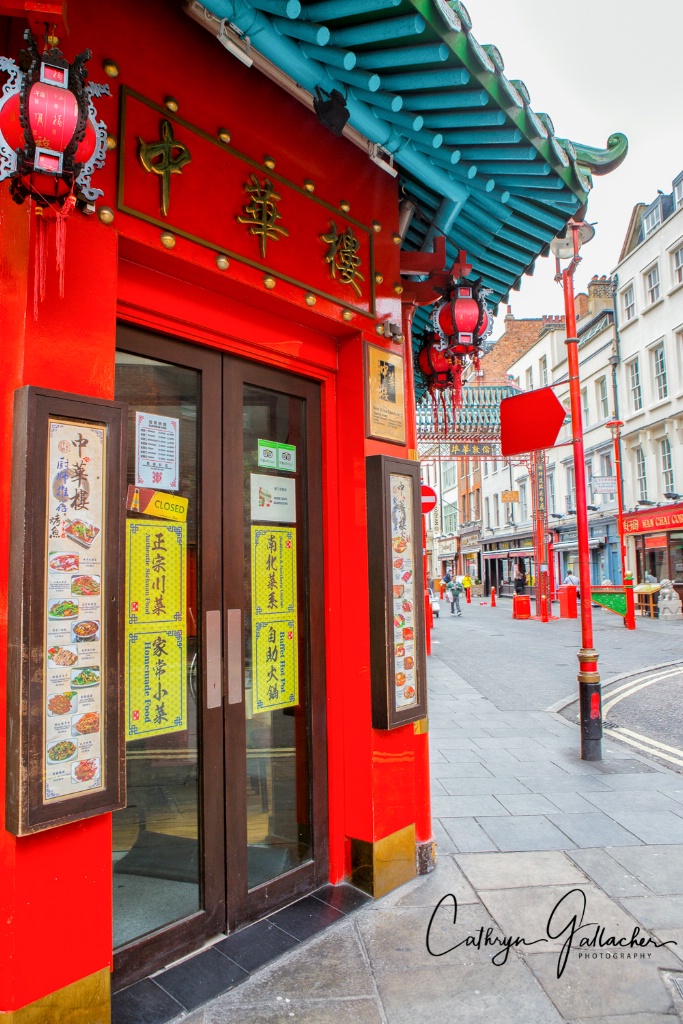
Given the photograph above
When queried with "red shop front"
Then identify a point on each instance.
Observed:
(225, 294)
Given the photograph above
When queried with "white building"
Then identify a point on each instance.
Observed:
(649, 350)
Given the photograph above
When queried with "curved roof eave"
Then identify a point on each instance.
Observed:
(479, 164)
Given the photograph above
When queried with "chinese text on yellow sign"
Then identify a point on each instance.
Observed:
(274, 621)
(155, 628)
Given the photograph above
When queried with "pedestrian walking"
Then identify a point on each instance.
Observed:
(467, 587)
(572, 581)
(453, 591)
(518, 581)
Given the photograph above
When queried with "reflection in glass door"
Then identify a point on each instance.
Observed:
(156, 837)
(276, 690)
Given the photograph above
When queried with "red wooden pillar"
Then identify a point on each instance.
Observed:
(64, 874)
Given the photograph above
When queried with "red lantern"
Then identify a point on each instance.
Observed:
(50, 140)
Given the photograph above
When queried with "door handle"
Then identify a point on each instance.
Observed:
(234, 655)
(214, 660)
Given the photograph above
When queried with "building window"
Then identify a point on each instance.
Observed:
(678, 266)
(477, 505)
(450, 518)
(629, 301)
(678, 194)
(652, 220)
(530, 379)
(607, 469)
(494, 467)
(589, 480)
(496, 510)
(487, 510)
(660, 371)
(667, 466)
(601, 398)
(448, 478)
(652, 286)
(584, 406)
(550, 490)
(636, 393)
(523, 507)
(641, 474)
(571, 489)
(543, 370)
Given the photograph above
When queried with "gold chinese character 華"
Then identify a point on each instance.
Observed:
(342, 256)
(262, 213)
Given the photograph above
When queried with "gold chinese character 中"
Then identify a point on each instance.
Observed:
(166, 157)
(342, 255)
(261, 212)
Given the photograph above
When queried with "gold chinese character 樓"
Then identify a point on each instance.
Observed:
(342, 256)
(262, 213)
(164, 158)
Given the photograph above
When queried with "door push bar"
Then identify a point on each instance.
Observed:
(214, 658)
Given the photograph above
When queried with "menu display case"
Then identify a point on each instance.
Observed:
(397, 626)
(64, 699)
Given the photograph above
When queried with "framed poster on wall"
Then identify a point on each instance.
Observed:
(65, 752)
(384, 395)
(397, 622)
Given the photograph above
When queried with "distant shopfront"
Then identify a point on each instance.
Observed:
(656, 539)
(500, 560)
(603, 543)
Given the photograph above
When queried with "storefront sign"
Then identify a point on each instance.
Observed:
(656, 542)
(474, 448)
(604, 484)
(540, 485)
(385, 409)
(65, 751)
(175, 175)
(273, 499)
(157, 503)
(156, 450)
(509, 497)
(156, 561)
(274, 618)
(649, 522)
(396, 604)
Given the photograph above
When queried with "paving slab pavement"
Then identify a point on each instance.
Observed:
(532, 844)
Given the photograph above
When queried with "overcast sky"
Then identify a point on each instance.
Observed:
(596, 67)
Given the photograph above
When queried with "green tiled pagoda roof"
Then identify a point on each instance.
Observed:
(480, 165)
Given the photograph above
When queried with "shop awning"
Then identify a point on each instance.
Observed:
(475, 161)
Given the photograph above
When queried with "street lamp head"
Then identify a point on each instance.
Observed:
(556, 515)
(568, 241)
(615, 426)
(592, 508)
(645, 501)
(671, 495)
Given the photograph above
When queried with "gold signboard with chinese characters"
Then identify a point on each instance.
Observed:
(65, 744)
(168, 170)
(274, 617)
(156, 561)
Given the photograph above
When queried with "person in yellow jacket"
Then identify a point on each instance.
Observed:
(467, 584)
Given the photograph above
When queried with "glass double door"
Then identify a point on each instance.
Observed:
(225, 708)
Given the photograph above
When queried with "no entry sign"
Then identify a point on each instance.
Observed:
(428, 499)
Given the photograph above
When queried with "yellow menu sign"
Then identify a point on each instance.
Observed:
(274, 617)
(156, 664)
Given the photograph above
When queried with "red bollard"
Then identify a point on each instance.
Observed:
(468, 595)
(630, 617)
(514, 606)
(493, 597)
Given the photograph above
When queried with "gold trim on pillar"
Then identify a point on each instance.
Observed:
(421, 727)
(84, 1002)
(379, 867)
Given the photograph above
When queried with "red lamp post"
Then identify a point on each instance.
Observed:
(615, 426)
(590, 710)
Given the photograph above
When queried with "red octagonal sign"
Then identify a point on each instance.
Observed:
(428, 499)
(530, 421)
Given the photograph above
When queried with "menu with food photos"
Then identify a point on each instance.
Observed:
(403, 577)
(73, 621)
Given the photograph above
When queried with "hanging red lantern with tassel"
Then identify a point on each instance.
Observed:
(50, 141)
(460, 325)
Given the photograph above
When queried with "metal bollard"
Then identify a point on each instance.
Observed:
(493, 597)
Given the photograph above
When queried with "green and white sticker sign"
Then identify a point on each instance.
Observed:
(273, 455)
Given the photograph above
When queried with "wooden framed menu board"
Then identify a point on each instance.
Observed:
(397, 624)
(65, 751)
